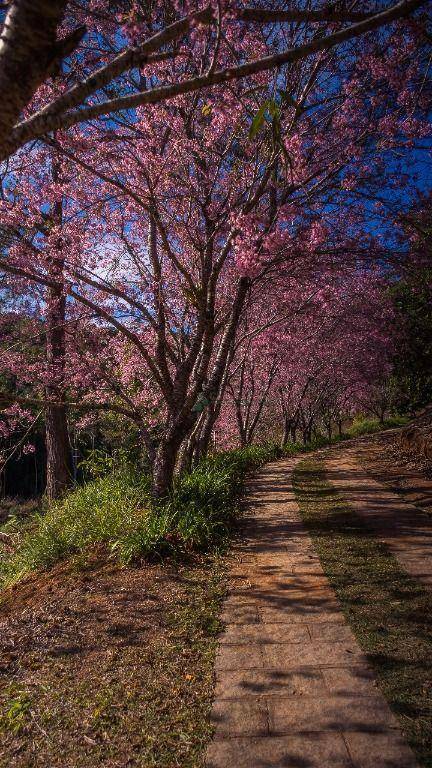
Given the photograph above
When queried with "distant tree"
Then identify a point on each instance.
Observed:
(412, 299)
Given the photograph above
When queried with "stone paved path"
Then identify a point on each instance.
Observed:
(404, 528)
(293, 688)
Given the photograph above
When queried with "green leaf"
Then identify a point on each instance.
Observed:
(201, 403)
(269, 107)
(257, 121)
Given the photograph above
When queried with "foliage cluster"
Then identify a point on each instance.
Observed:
(412, 298)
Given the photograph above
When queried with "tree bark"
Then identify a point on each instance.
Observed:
(59, 459)
(29, 53)
(164, 467)
(58, 448)
(286, 431)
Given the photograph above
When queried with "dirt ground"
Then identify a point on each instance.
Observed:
(102, 665)
(407, 474)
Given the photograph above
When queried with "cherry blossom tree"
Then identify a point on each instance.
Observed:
(312, 372)
(188, 212)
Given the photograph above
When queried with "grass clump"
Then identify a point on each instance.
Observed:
(115, 510)
(363, 425)
(389, 612)
(102, 511)
(14, 716)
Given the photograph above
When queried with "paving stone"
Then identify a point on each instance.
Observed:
(245, 717)
(320, 597)
(334, 632)
(286, 584)
(240, 614)
(263, 549)
(314, 750)
(349, 681)
(308, 566)
(240, 596)
(293, 582)
(281, 597)
(314, 653)
(265, 633)
(269, 682)
(281, 560)
(237, 657)
(335, 713)
(300, 614)
(384, 750)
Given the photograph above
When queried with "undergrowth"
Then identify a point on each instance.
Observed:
(367, 426)
(113, 509)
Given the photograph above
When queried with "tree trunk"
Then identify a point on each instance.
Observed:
(59, 458)
(186, 454)
(59, 454)
(59, 465)
(286, 431)
(202, 442)
(163, 469)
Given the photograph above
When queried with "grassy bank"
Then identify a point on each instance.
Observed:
(389, 612)
(107, 665)
(114, 511)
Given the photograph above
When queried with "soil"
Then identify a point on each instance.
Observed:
(408, 474)
(103, 665)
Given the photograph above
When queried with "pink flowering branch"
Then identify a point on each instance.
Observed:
(56, 115)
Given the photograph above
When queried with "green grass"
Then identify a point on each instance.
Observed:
(389, 612)
(14, 716)
(115, 511)
(367, 426)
